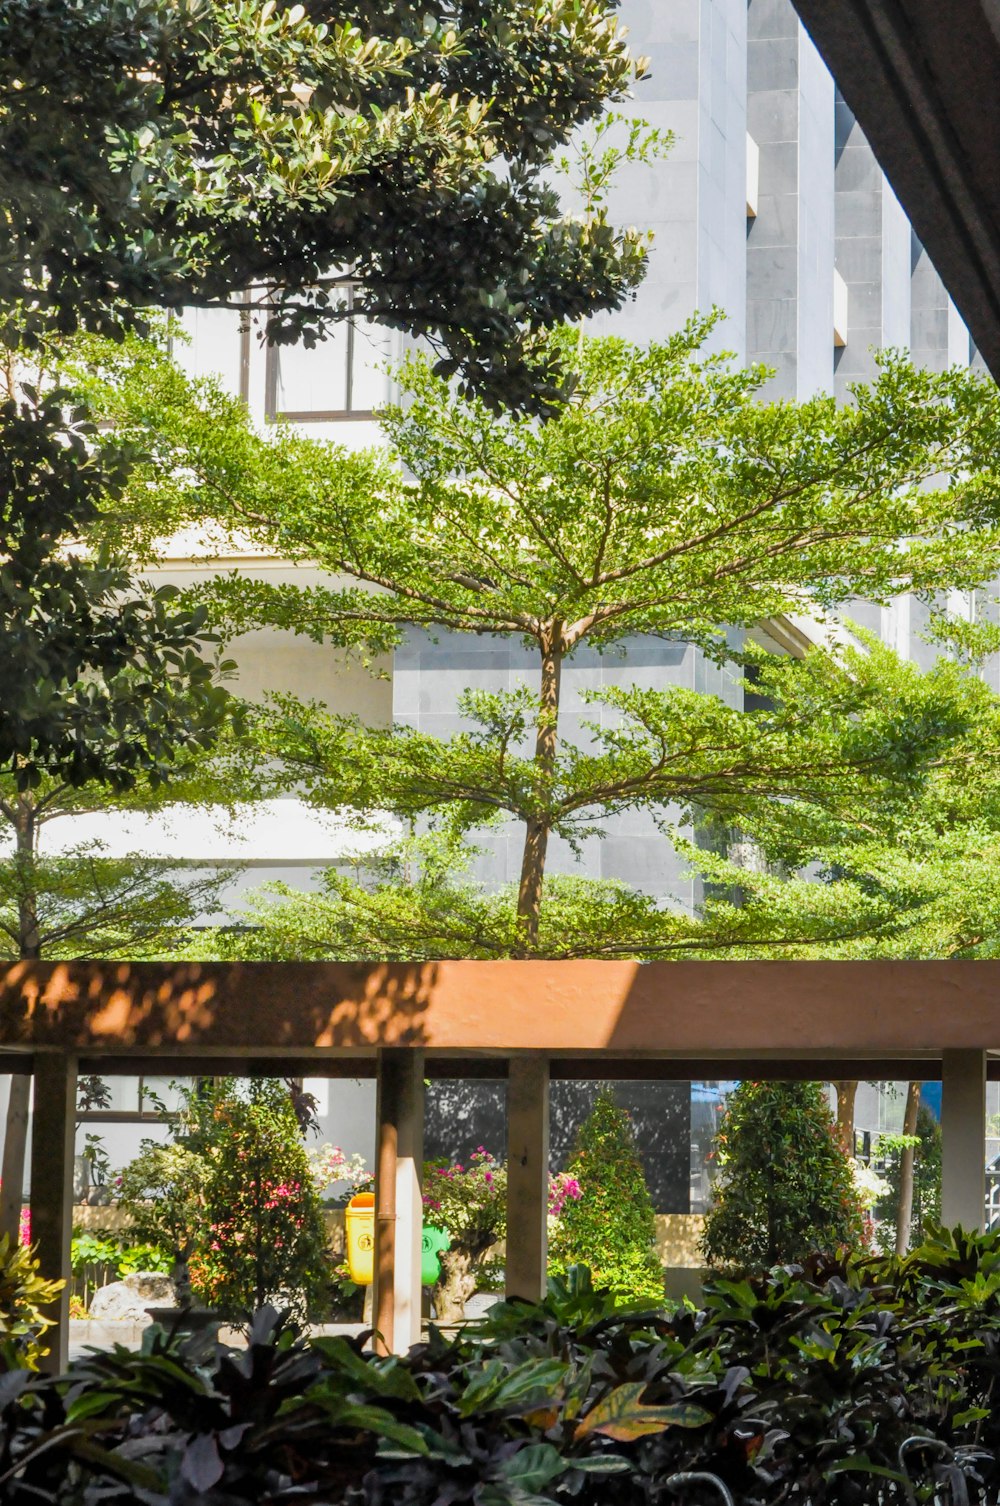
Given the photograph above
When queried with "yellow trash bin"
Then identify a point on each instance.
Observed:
(359, 1217)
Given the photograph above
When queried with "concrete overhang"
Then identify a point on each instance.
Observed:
(923, 80)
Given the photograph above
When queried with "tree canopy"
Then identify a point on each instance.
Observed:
(163, 153)
(664, 499)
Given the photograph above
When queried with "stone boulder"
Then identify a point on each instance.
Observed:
(126, 1301)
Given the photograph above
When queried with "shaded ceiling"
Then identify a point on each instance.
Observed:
(923, 79)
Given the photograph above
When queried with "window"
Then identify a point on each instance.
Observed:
(217, 344)
(133, 1100)
(340, 378)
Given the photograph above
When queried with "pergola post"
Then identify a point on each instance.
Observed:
(963, 1138)
(399, 1155)
(527, 1176)
(52, 1144)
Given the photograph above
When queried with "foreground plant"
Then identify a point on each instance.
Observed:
(24, 1297)
(838, 1383)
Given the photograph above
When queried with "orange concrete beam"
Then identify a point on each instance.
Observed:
(672, 1009)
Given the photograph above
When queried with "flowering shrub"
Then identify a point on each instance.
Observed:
(867, 1183)
(329, 1166)
(470, 1202)
(235, 1197)
(563, 1188)
(266, 1240)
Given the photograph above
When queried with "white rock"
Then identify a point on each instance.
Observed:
(126, 1301)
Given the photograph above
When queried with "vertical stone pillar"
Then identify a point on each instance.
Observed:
(399, 1111)
(52, 1188)
(527, 1176)
(963, 1138)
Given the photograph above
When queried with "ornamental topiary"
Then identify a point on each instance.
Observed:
(785, 1187)
(610, 1226)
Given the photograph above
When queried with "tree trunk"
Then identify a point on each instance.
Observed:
(847, 1092)
(454, 1286)
(29, 942)
(904, 1209)
(537, 828)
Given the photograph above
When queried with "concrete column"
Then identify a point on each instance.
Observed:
(399, 1155)
(52, 1188)
(963, 1138)
(527, 1176)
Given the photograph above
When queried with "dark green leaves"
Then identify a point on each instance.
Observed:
(157, 153)
(102, 679)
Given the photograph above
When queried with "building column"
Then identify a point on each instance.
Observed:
(527, 1176)
(963, 1138)
(52, 1144)
(399, 1155)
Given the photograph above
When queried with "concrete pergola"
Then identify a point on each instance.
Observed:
(527, 1022)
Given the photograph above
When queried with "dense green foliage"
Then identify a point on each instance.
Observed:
(784, 1188)
(664, 500)
(24, 1296)
(611, 1226)
(860, 1383)
(154, 152)
(102, 680)
(265, 1238)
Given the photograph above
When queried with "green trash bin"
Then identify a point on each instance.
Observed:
(433, 1241)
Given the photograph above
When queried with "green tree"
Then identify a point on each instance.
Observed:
(158, 153)
(663, 500)
(611, 1226)
(163, 1190)
(785, 1187)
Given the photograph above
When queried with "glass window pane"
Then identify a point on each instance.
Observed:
(369, 382)
(162, 1090)
(312, 381)
(213, 347)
